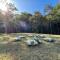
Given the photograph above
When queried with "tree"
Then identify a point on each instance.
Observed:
(22, 22)
(54, 19)
(48, 9)
(36, 22)
(9, 14)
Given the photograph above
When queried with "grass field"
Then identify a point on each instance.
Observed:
(10, 50)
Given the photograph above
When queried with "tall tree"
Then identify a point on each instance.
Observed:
(54, 17)
(9, 14)
(36, 21)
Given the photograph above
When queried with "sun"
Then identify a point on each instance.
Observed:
(3, 5)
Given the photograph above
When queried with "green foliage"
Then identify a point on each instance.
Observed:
(50, 23)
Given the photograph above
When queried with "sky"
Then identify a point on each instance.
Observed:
(33, 5)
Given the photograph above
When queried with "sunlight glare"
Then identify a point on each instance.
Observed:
(3, 5)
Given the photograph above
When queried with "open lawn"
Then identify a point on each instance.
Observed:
(11, 50)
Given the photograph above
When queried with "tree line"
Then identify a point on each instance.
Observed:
(12, 22)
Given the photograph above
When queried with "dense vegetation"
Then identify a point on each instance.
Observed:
(26, 22)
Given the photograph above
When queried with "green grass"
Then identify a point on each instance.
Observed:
(20, 51)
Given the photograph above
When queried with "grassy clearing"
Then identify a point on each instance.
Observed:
(5, 57)
(55, 36)
(20, 51)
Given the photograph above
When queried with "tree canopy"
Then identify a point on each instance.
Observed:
(27, 22)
